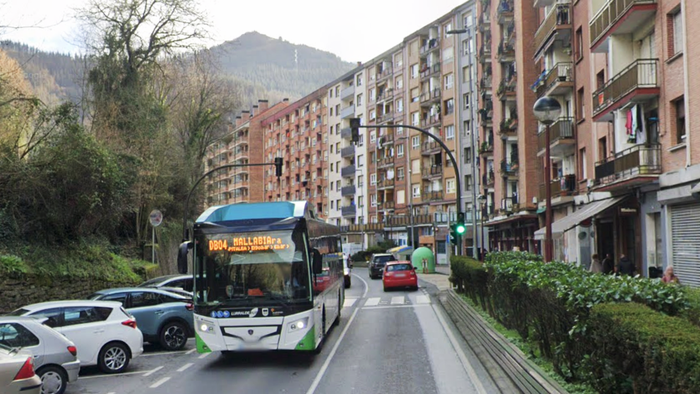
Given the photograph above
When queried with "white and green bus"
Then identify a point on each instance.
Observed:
(267, 276)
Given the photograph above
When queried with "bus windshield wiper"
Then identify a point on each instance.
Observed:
(280, 299)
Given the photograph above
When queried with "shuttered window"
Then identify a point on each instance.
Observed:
(685, 240)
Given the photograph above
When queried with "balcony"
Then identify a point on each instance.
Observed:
(561, 136)
(486, 82)
(430, 121)
(485, 53)
(427, 72)
(555, 27)
(618, 17)
(385, 117)
(486, 147)
(505, 11)
(385, 184)
(348, 151)
(430, 45)
(384, 74)
(346, 133)
(488, 179)
(633, 166)
(509, 204)
(347, 112)
(348, 171)
(506, 52)
(562, 187)
(432, 172)
(348, 190)
(386, 95)
(348, 92)
(557, 82)
(407, 220)
(428, 98)
(430, 148)
(387, 205)
(387, 161)
(509, 168)
(507, 87)
(637, 82)
(349, 210)
(508, 128)
(386, 139)
(433, 195)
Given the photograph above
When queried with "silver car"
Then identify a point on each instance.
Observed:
(55, 357)
(17, 371)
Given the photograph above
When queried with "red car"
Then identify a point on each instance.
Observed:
(399, 274)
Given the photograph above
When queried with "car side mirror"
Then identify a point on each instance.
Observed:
(317, 261)
(182, 253)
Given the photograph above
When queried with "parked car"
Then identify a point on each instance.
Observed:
(399, 274)
(376, 264)
(17, 372)
(55, 356)
(185, 282)
(104, 333)
(163, 317)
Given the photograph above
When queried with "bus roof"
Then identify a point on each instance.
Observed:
(251, 211)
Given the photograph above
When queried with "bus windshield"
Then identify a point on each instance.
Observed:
(251, 268)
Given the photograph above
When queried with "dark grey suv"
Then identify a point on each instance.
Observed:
(377, 263)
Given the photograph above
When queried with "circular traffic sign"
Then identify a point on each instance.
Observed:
(156, 218)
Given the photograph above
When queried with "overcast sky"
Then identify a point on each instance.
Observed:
(354, 30)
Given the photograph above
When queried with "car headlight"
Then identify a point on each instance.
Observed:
(298, 324)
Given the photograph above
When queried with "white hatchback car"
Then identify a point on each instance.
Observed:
(104, 333)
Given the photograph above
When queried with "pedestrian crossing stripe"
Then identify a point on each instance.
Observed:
(396, 300)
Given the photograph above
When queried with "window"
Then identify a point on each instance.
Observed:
(467, 182)
(360, 160)
(675, 21)
(361, 142)
(337, 94)
(414, 71)
(450, 186)
(415, 119)
(331, 147)
(415, 166)
(466, 99)
(466, 73)
(372, 114)
(415, 142)
(579, 44)
(399, 150)
(359, 99)
(16, 335)
(337, 167)
(450, 132)
(467, 155)
(332, 205)
(145, 298)
(332, 167)
(399, 105)
(358, 80)
(449, 106)
(449, 81)
(582, 164)
(679, 106)
(415, 191)
(580, 110)
(330, 110)
(119, 297)
(398, 83)
(415, 95)
(360, 182)
(400, 174)
(372, 136)
(401, 197)
(373, 200)
(372, 95)
(447, 28)
(372, 179)
(81, 315)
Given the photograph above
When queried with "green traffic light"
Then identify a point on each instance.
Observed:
(461, 229)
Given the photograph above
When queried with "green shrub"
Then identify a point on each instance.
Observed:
(12, 265)
(634, 349)
(693, 311)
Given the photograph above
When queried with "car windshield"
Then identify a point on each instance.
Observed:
(250, 268)
(399, 267)
(381, 260)
(18, 312)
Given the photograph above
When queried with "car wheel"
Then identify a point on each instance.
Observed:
(173, 336)
(113, 358)
(53, 379)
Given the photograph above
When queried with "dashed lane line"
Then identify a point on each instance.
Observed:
(113, 375)
(184, 367)
(369, 308)
(349, 302)
(191, 351)
(163, 353)
(373, 301)
(158, 383)
(154, 370)
(201, 356)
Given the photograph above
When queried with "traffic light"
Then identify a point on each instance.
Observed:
(460, 228)
(355, 129)
(453, 234)
(278, 166)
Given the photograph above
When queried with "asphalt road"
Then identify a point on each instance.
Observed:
(394, 342)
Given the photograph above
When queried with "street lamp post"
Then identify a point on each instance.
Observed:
(547, 110)
(482, 204)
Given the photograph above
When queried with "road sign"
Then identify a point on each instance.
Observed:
(156, 218)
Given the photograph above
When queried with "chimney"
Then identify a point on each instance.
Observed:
(285, 100)
(254, 111)
(359, 64)
(245, 115)
(263, 105)
(239, 121)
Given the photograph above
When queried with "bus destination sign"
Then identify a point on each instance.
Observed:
(248, 244)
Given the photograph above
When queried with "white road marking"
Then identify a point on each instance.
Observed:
(325, 365)
(184, 367)
(349, 302)
(373, 301)
(151, 372)
(112, 392)
(158, 383)
(366, 285)
(161, 353)
(394, 306)
(191, 351)
(397, 300)
(113, 375)
(422, 299)
(203, 355)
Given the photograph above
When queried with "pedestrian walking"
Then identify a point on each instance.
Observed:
(626, 266)
(596, 265)
(608, 264)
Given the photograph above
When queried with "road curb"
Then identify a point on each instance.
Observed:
(510, 369)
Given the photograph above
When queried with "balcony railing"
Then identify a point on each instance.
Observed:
(347, 92)
(386, 161)
(349, 210)
(561, 130)
(489, 178)
(564, 186)
(561, 72)
(429, 147)
(557, 18)
(641, 74)
(610, 14)
(508, 126)
(346, 133)
(347, 171)
(507, 86)
(348, 190)
(506, 52)
(433, 171)
(433, 195)
(385, 184)
(431, 44)
(387, 205)
(509, 168)
(348, 151)
(638, 160)
(347, 111)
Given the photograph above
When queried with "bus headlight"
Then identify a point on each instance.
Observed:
(298, 324)
(205, 326)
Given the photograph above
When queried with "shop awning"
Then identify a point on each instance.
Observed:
(572, 220)
(400, 249)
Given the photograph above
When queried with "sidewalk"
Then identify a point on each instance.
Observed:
(440, 278)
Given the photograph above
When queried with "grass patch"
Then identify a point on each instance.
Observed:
(82, 260)
(531, 351)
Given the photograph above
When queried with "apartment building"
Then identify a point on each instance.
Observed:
(242, 144)
(509, 166)
(298, 134)
(334, 158)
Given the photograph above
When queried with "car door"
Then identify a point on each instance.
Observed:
(87, 329)
(16, 335)
(145, 307)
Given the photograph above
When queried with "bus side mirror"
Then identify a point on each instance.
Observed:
(317, 262)
(182, 256)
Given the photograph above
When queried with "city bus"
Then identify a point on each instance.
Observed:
(267, 276)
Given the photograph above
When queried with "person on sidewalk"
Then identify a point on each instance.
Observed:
(608, 264)
(669, 276)
(596, 265)
(626, 266)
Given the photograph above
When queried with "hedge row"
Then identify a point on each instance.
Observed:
(550, 304)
